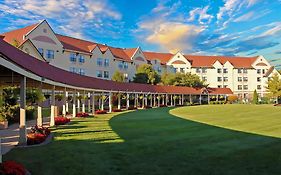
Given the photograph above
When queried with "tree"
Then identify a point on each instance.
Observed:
(255, 97)
(146, 74)
(181, 79)
(15, 43)
(118, 76)
(274, 86)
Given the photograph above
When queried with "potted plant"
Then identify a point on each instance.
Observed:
(3, 120)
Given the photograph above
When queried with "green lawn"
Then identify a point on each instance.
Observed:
(257, 119)
(156, 142)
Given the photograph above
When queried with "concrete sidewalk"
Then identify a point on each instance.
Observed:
(10, 136)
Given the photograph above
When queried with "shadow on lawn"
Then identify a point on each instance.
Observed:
(152, 142)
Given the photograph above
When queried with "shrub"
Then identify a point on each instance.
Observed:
(12, 168)
(147, 107)
(117, 110)
(37, 135)
(163, 105)
(101, 112)
(61, 120)
(82, 114)
(232, 98)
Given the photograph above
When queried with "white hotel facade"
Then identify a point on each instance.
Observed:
(242, 75)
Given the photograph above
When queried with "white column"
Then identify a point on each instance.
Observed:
(128, 101)
(64, 103)
(154, 100)
(146, 99)
(174, 101)
(142, 100)
(102, 101)
(119, 101)
(166, 100)
(163, 99)
(171, 100)
(52, 120)
(158, 100)
(200, 98)
(78, 102)
(182, 98)
(39, 112)
(74, 104)
(83, 102)
(136, 100)
(110, 101)
(22, 132)
(93, 103)
(89, 102)
(190, 98)
(151, 101)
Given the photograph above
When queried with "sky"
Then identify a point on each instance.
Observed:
(201, 27)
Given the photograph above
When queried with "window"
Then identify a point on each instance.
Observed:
(126, 65)
(225, 86)
(72, 69)
(50, 54)
(259, 87)
(239, 87)
(263, 71)
(81, 59)
(204, 70)
(99, 73)
(175, 70)
(159, 70)
(106, 62)
(72, 57)
(41, 51)
(225, 78)
(182, 70)
(239, 71)
(106, 74)
(246, 87)
(99, 61)
(258, 71)
(198, 70)
(225, 70)
(259, 79)
(239, 79)
(219, 86)
(219, 71)
(245, 71)
(120, 65)
(219, 79)
(245, 78)
(81, 71)
(204, 78)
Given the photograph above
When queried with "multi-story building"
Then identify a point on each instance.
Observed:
(241, 74)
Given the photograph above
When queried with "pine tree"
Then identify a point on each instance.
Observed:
(255, 97)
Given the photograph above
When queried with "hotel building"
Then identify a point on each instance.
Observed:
(242, 75)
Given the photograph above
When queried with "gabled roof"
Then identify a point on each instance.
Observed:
(130, 51)
(119, 53)
(270, 70)
(163, 57)
(18, 34)
(208, 61)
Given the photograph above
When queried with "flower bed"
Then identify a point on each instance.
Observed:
(147, 107)
(61, 120)
(163, 105)
(132, 108)
(82, 114)
(37, 135)
(101, 112)
(117, 110)
(12, 168)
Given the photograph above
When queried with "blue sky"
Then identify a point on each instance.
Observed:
(208, 27)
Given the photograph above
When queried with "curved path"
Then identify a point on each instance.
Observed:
(151, 142)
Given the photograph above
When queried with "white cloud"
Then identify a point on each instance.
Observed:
(201, 14)
(245, 17)
(72, 15)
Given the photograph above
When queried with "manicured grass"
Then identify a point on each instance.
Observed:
(257, 119)
(151, 142)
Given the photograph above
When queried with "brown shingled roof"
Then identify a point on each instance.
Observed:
(18, 34)
(163, 57)
(208, 61)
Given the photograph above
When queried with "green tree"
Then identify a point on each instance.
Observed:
(181, 79)
(146, 74)
(118, 76)
(255, 97)
(274, 86)
(15, 43)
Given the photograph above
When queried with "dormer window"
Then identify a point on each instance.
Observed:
(72, 57)
(81, 59)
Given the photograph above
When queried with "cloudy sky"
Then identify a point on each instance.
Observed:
(209, 27)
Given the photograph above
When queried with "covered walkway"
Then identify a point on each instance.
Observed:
(21, 70)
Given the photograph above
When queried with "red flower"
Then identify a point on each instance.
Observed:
(61, 120)
(34, 138)
(117, 110)
(82, 114)
(101, 112)
(12, 168)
